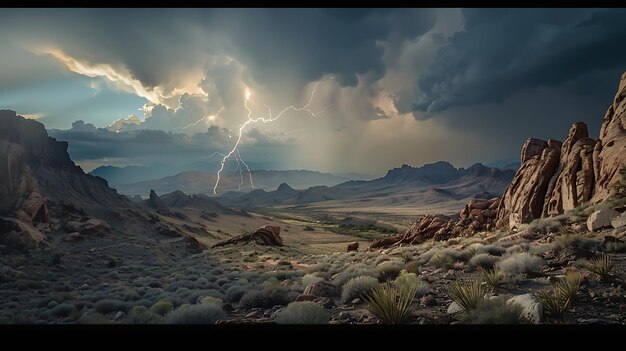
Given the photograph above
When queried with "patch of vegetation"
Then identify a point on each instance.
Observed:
(492, 278)
(388, 271)
(413, 267)
(602, 265)
(390, 304)
(484, 260)
(357, 288)
(560, 298)
(110, 305)
(367, 232)
(409, 281)
(303, 312)
(520, 263)
(162, 307)
(467, 294)
(271, 294)
(142, 315)
(494, 311)
(195, 314)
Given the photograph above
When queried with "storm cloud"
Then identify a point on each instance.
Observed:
(503, 52)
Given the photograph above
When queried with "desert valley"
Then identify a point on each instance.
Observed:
(542, 242)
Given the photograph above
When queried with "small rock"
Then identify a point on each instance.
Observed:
(531, 308)
(438, 270)
(344, 315)
(321, 288)
(454, 308)
(84, 287)
(356, 301)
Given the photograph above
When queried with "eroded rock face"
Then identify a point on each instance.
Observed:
(523, 200)
(611, 153)
(574, 180)
(587, 170)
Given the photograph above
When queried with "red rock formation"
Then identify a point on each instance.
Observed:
(478, 215)
(574, 180)
(267, 235)
(523, 200)
(611, 152)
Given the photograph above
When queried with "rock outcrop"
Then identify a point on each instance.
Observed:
(35, 170)
(554, 178)
(267, 235)
(524, 198)
(478, 215)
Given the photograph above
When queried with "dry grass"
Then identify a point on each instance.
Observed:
(390, 304)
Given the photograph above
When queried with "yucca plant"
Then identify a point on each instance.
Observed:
(492, 277)
(390, 304)
(602, 265)
(561, 297)
(467, 294)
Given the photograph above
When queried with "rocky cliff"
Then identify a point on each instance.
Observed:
(555, 177)
(34, 170)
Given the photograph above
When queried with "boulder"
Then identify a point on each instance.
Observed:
(353, 247)
(19, 235)
(75, 236)
(321, 288)
(531, 308)
(601, 219)
(619, 221)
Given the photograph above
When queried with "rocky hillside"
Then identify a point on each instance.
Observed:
(557, 176)
(36, 170)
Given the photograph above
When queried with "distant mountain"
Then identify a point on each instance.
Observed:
(431, 183)
(202, 182)
(132, 174)
(509, 163)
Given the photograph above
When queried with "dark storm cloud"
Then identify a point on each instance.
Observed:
(86, 142)
(508, 51)
(157, 45)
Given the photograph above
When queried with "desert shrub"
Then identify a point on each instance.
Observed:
(466, 254)
(390, 304)
(110, 305)
(353, 271)
(494, 311)
(520, 263)
(443, 260)
(561, 297)
(142, 315)
(162, 307)
(409, 281)
(388, 270)
(518, 248)
(63, 310)
(587, 244)
(303, 312)
(601, 265)
(544, 225)
(382, 258)
(493, 250)
(615, 247)
(413, 267)
(467, 294)
(234, 293)
(357, 287)
(222, 281)
(271, 294)
(484, 260)
(492, 277)
(195, 314)
(194, 296)
(308, 279)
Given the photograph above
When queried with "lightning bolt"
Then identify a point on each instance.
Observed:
(270, 118)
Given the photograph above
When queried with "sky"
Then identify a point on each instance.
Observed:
(381, 87)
